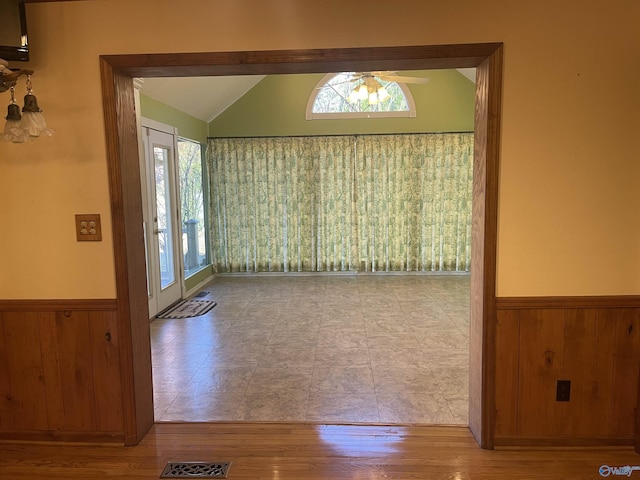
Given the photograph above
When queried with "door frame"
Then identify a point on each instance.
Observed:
(117, 74)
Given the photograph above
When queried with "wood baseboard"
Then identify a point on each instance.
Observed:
(506, 441)
(56, 436)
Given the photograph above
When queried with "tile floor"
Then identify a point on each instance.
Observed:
(378, 348)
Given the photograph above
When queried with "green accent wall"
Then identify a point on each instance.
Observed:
(188, 126)
(277, 106)
(198, 277)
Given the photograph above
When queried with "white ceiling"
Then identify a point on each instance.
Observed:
(207, 97)
(201, 97)
(470, 73)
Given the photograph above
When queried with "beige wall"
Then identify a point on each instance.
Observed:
(569, 221)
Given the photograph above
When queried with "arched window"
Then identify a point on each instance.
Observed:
(357, 95)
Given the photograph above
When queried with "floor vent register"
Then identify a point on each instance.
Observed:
(196, 470)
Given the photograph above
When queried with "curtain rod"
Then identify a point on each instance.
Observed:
(340, 135)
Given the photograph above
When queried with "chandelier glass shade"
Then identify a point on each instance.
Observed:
(28, 123)
(11, 131)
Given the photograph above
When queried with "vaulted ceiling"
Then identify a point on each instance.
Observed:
(207, 97)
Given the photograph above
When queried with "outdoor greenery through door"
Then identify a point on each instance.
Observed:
(192, 210)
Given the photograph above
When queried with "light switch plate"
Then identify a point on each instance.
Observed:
(88, 228)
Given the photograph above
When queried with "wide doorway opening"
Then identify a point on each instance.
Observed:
(118, 72)
(340, 243)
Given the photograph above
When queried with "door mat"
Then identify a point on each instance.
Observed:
(196, 470)
(188, 309)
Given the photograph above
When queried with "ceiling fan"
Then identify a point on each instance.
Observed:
(388, 76)
(368, 86)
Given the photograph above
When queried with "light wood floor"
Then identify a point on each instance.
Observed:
(320, 348)
(300, 451)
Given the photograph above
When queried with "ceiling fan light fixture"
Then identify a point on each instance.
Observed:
(359, 93)
(370, 89)
(383, 95)
(362, 92)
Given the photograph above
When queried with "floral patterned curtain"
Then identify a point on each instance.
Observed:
(281, 204)
(341, 203)
(414, 202)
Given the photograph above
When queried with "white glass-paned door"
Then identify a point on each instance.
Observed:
(164, 259)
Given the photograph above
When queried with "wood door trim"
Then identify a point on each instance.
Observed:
(417, 57)
(129, 252)
(482, 341)
(122, 156)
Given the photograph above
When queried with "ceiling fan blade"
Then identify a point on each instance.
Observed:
(388, 76)
(402, 79)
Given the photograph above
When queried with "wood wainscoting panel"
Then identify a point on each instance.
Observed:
(541, 346)
(106, 368)
(507, 374)
(49, 349)
(595, 346)
(59, 372)
(590, 373)
(23, 398)
(626, 370)
(76, 376)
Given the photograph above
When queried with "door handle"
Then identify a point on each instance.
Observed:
(159, 230)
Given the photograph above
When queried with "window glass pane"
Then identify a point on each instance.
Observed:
(163, 191)
(192, 206)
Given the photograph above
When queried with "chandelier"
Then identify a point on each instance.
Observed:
(21, 124)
